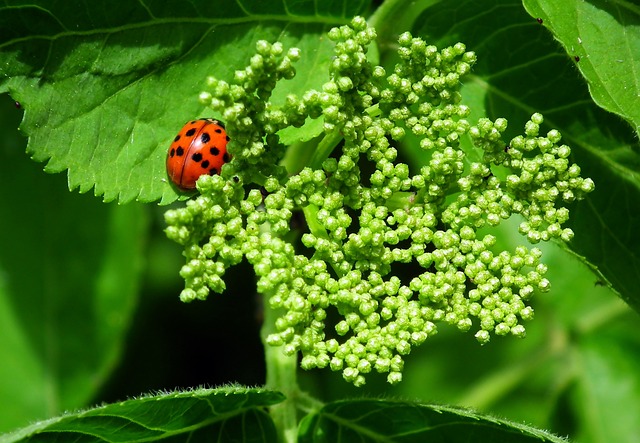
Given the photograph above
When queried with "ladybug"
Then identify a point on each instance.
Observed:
(199, 148)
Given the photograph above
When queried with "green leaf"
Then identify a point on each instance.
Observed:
(106, 87)
(605, 37)
(70, 269)
(522, 70)
(384, 420)
(202, 415)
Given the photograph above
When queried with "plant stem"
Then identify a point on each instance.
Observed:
(385, 11)
(324, 149)
(394, 15)
(281, 376)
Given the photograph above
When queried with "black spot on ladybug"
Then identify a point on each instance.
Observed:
(204, 138)
(180, 151)
(193, 122)
(213, 171)
(190, 132)
(577, 58)
(214, 151)
(197, 157)
(218, 130)
(228, 138)
(226, 157)
(539, 20)
(205, 164)
(177, 138)
(172, 152)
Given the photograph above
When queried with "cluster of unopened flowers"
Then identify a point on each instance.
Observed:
(341, 303)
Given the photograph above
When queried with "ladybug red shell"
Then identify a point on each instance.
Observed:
(199, 148)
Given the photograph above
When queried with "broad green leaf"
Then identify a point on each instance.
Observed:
(605, 38)
(106, 86)
(69, 277)
(384, 420)
(522, 70)
(202, 415)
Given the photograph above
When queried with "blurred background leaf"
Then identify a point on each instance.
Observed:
(70, 270)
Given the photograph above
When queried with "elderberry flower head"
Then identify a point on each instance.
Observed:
(366, 223)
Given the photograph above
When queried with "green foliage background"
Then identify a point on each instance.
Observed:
(88, 291)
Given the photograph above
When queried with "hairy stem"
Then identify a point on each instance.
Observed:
(281, 376)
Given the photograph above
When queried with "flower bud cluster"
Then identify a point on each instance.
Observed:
(244, 106)
(343, 303)
(540, 183)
